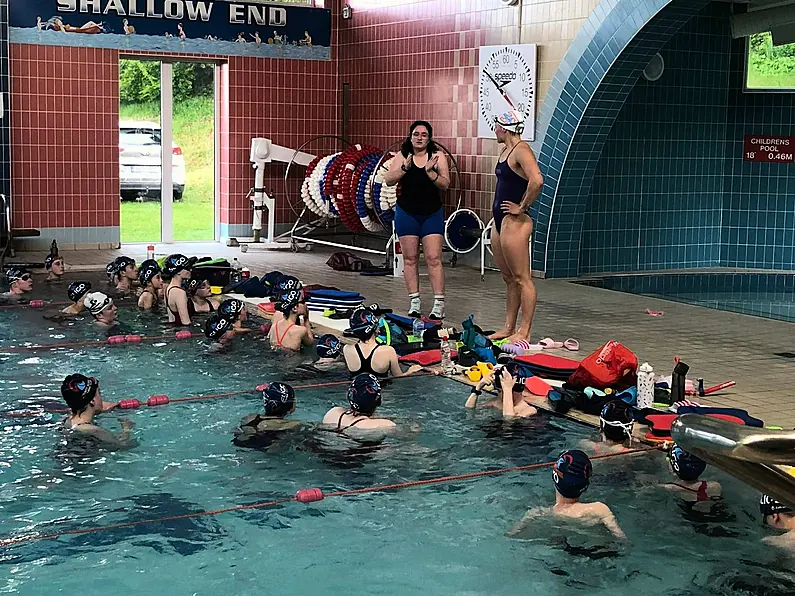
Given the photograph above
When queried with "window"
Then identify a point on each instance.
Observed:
(769, 66)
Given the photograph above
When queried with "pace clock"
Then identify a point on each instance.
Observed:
(507, 81)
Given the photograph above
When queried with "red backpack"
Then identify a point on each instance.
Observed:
(612, 365)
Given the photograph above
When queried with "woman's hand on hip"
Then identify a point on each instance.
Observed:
(510, 208)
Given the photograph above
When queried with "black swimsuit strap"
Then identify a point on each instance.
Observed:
(509, 153)
(354, 423)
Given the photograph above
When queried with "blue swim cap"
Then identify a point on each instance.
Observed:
(16, 273)
(279, 399)
(176, 263)
(78, 391)
(78, 289)
(768, 506)
(269, 280)
(147, 271)
(287, 283)
(363, 323)
(329, 346)
(50, 260)
(216, 326)
(364, 394)
(289, 300)
(685, 465)
(231, 308)
(572, 473)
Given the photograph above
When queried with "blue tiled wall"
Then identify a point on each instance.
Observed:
(671, 189)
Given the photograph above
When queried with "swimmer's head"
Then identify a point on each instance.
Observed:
(219, 329)
(775, 513)
(149, 273)
(509, 123)
(685, 465)
(289, 301)
(279, 399)
(99, 304)
(420, 138)
(516, 370)
(80, 391)
(197, 287)
(54, 264)
(178, 264)
(329, 346)
(287, 283)
(615, 421)
(363, 324)
(125, 268)
(572, 473)
(232, 308)
(364, 394)
(269, 280)
(78, 289)
(19, 279)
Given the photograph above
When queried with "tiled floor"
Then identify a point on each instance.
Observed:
(717, 345)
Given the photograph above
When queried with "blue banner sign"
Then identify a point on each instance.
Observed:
(219, 27)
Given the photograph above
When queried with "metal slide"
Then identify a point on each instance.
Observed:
(759, 457)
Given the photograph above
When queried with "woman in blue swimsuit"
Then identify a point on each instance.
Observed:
(519, 182)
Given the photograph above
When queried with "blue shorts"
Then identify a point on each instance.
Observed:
(418, 225)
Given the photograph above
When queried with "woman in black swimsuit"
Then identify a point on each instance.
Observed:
(178, 268)
(200, 295)
(152, 284)
(367, 356)
(364, 397)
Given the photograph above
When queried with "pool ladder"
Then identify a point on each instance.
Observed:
(5, 233)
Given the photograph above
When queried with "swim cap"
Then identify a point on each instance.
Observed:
(616, 421)
(176, 263)
(15, 274)
(78, 391)
(110, 269)
(768, 506)
(512, 121)
(279, 399)
(329, 346)
(572, 473)
(685, 465)
(231, 308)
(287, 283)
(364, 394)
(147, 271)
(191, 285)
(269, 281)
(287, 302)
(123, 262)
(96, 302)
(363, 323)
(50, 260)
(78, 289)
(216, 326)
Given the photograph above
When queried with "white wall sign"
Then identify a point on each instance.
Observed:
(507, 81)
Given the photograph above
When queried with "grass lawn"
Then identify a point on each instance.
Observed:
(194, 216)
(759, 80)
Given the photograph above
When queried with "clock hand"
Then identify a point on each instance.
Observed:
(500, 89)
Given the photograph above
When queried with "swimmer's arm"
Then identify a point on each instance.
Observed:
(396, 171)
(145, 301)
(535, 181)
(182, 308)
(111, 441)
(506, 382)
(307, 339)
(609, 521)
(525, 521)
(472, 400)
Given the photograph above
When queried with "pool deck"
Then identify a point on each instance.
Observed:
(719, 346)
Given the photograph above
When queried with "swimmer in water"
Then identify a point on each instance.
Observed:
(572, 476)
(84, 398)
(688, 468)
(364, 397)
(126, 274)
(616, 424)
(260, 431)
(366, 355)
(329, 350)
(781, 517)
(510, 392)
(20, 282)
(55, 266)
(149, 276)
(220, 331)
(102, 309)
(235, 310)
(201, 296)
(76, 292)
(291, 329)
(178, 268)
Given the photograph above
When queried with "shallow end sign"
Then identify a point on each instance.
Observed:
(216, 27)
(768, 148)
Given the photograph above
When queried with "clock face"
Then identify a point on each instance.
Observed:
(506, 82)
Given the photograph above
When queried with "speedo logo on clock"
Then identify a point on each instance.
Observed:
(503, 77)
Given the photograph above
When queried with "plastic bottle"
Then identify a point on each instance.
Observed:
(417, 327)
(236, 270)
(245, 273)
(645, 386)
(150, 252)
(447, 354)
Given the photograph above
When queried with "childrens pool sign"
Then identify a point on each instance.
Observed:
(771, 149)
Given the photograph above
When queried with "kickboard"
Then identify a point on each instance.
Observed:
(549, 362)
(747, 419)
(267, 307)
(334, 302)
(407, 322)
(661, 423)
(334, 295)
(537, 386)
(424, 358)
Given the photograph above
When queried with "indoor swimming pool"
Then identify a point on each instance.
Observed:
(768, 295)
(445, 538)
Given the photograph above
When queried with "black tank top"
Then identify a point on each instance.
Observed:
(366, 365)
(418, 194)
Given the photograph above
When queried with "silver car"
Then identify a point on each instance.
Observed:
(139, 162)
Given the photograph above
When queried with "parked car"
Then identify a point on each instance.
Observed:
(139, 162)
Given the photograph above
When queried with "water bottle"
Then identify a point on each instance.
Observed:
(645, 386)
(245, 273)
(236, 270)
(150, 252)
(447, 353)
(417, 328)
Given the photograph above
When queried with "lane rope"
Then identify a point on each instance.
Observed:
(306, 495)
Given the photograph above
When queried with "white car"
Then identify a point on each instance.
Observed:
(139, 162)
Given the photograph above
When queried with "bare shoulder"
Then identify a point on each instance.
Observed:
(333, 415)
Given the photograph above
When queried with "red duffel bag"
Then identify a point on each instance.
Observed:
(612, 365)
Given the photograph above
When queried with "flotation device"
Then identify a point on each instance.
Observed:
(424, 358)
(549, 366)
(747, 419)
(661, 424)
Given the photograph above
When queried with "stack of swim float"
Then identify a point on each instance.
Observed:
(322, 300)
(349, 186)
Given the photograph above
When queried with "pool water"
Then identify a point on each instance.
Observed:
(768, 295)
(441, 539)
